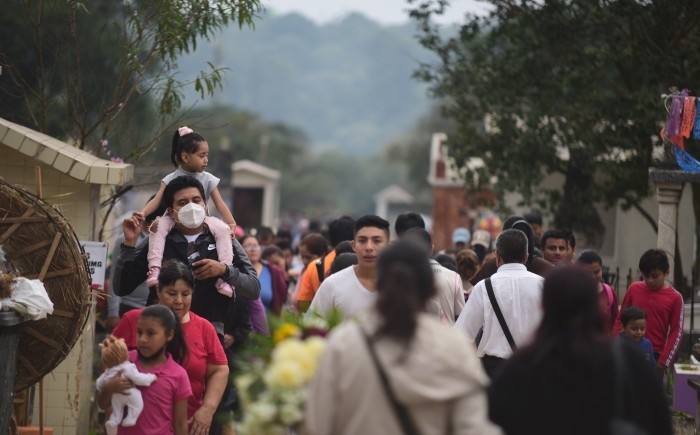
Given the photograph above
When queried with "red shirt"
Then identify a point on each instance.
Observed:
(203, 348)
(664, 310)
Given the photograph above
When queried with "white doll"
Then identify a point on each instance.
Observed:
(115, 359)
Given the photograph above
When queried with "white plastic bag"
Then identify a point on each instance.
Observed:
(29, 298)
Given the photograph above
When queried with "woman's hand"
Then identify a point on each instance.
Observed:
(201, 421)
(228, 340)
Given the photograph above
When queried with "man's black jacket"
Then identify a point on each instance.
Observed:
(132, 267)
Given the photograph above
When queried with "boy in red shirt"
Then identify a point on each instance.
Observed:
(663, 306)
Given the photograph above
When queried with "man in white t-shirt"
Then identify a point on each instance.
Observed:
(448, 284)
(354, 289)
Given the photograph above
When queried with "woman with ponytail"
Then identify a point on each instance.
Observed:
(571, 379)
(396, 369)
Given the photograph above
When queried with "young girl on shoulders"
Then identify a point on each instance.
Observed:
(161, 347)
(190, 155)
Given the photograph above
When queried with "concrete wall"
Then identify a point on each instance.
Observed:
(68, 389)
(628, 234)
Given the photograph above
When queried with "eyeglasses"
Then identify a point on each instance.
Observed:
(251, 247)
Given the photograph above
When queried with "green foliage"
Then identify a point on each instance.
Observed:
(94, 69)
(534, 82)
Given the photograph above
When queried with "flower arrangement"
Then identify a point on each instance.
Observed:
(275, 373)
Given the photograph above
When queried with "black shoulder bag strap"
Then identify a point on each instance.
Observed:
(320, 269)
(499, 314)
(407, 424)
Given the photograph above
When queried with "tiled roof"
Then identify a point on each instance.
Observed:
(65, 158)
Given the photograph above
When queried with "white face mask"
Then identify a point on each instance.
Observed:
(191, 215)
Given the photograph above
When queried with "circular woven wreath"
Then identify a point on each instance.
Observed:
(39, 243)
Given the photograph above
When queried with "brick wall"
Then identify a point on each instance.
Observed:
(451, 209)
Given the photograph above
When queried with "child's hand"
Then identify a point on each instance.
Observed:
(118, 385)
(233, 230)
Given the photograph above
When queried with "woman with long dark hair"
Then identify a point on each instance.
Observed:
(567, 380)
(396, 369)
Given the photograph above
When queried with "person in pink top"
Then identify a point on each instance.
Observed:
(160, 345)
(662, 304)
(607, 298)
(206, 364)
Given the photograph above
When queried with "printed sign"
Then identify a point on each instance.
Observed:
(97, 262)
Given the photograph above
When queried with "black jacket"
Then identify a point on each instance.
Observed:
(132, 267)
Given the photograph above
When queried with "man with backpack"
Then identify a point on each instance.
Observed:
(339, 230)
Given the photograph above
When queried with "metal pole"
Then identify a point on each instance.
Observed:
(692, 316)
(9, 337)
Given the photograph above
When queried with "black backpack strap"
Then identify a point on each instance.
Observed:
(499, 314)
(320, 269)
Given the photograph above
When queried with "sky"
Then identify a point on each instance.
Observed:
(383, 11)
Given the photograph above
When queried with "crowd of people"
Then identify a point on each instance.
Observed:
(513, 333)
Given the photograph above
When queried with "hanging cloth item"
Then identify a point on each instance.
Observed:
(696, 126)
(686, 161)
(688, 117)
(673, 123)
(675, 140)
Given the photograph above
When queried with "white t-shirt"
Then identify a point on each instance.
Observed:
(209, 181)
(344, 292)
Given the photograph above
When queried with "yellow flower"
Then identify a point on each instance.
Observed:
(305, 356)
(285, 374)
(315, 346)
(292, 349)
(286, 330)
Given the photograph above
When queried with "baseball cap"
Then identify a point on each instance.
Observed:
(482, 238)
(461, 235)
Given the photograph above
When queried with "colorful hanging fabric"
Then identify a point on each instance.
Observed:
(686, 161)
(673, 123)
(688, 117)
(696, 126)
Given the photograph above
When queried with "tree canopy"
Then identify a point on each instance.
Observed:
(91, 70)
(563, 86)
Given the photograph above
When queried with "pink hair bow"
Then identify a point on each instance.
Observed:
(184, 131)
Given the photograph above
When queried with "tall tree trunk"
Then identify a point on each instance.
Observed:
(575, 210)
